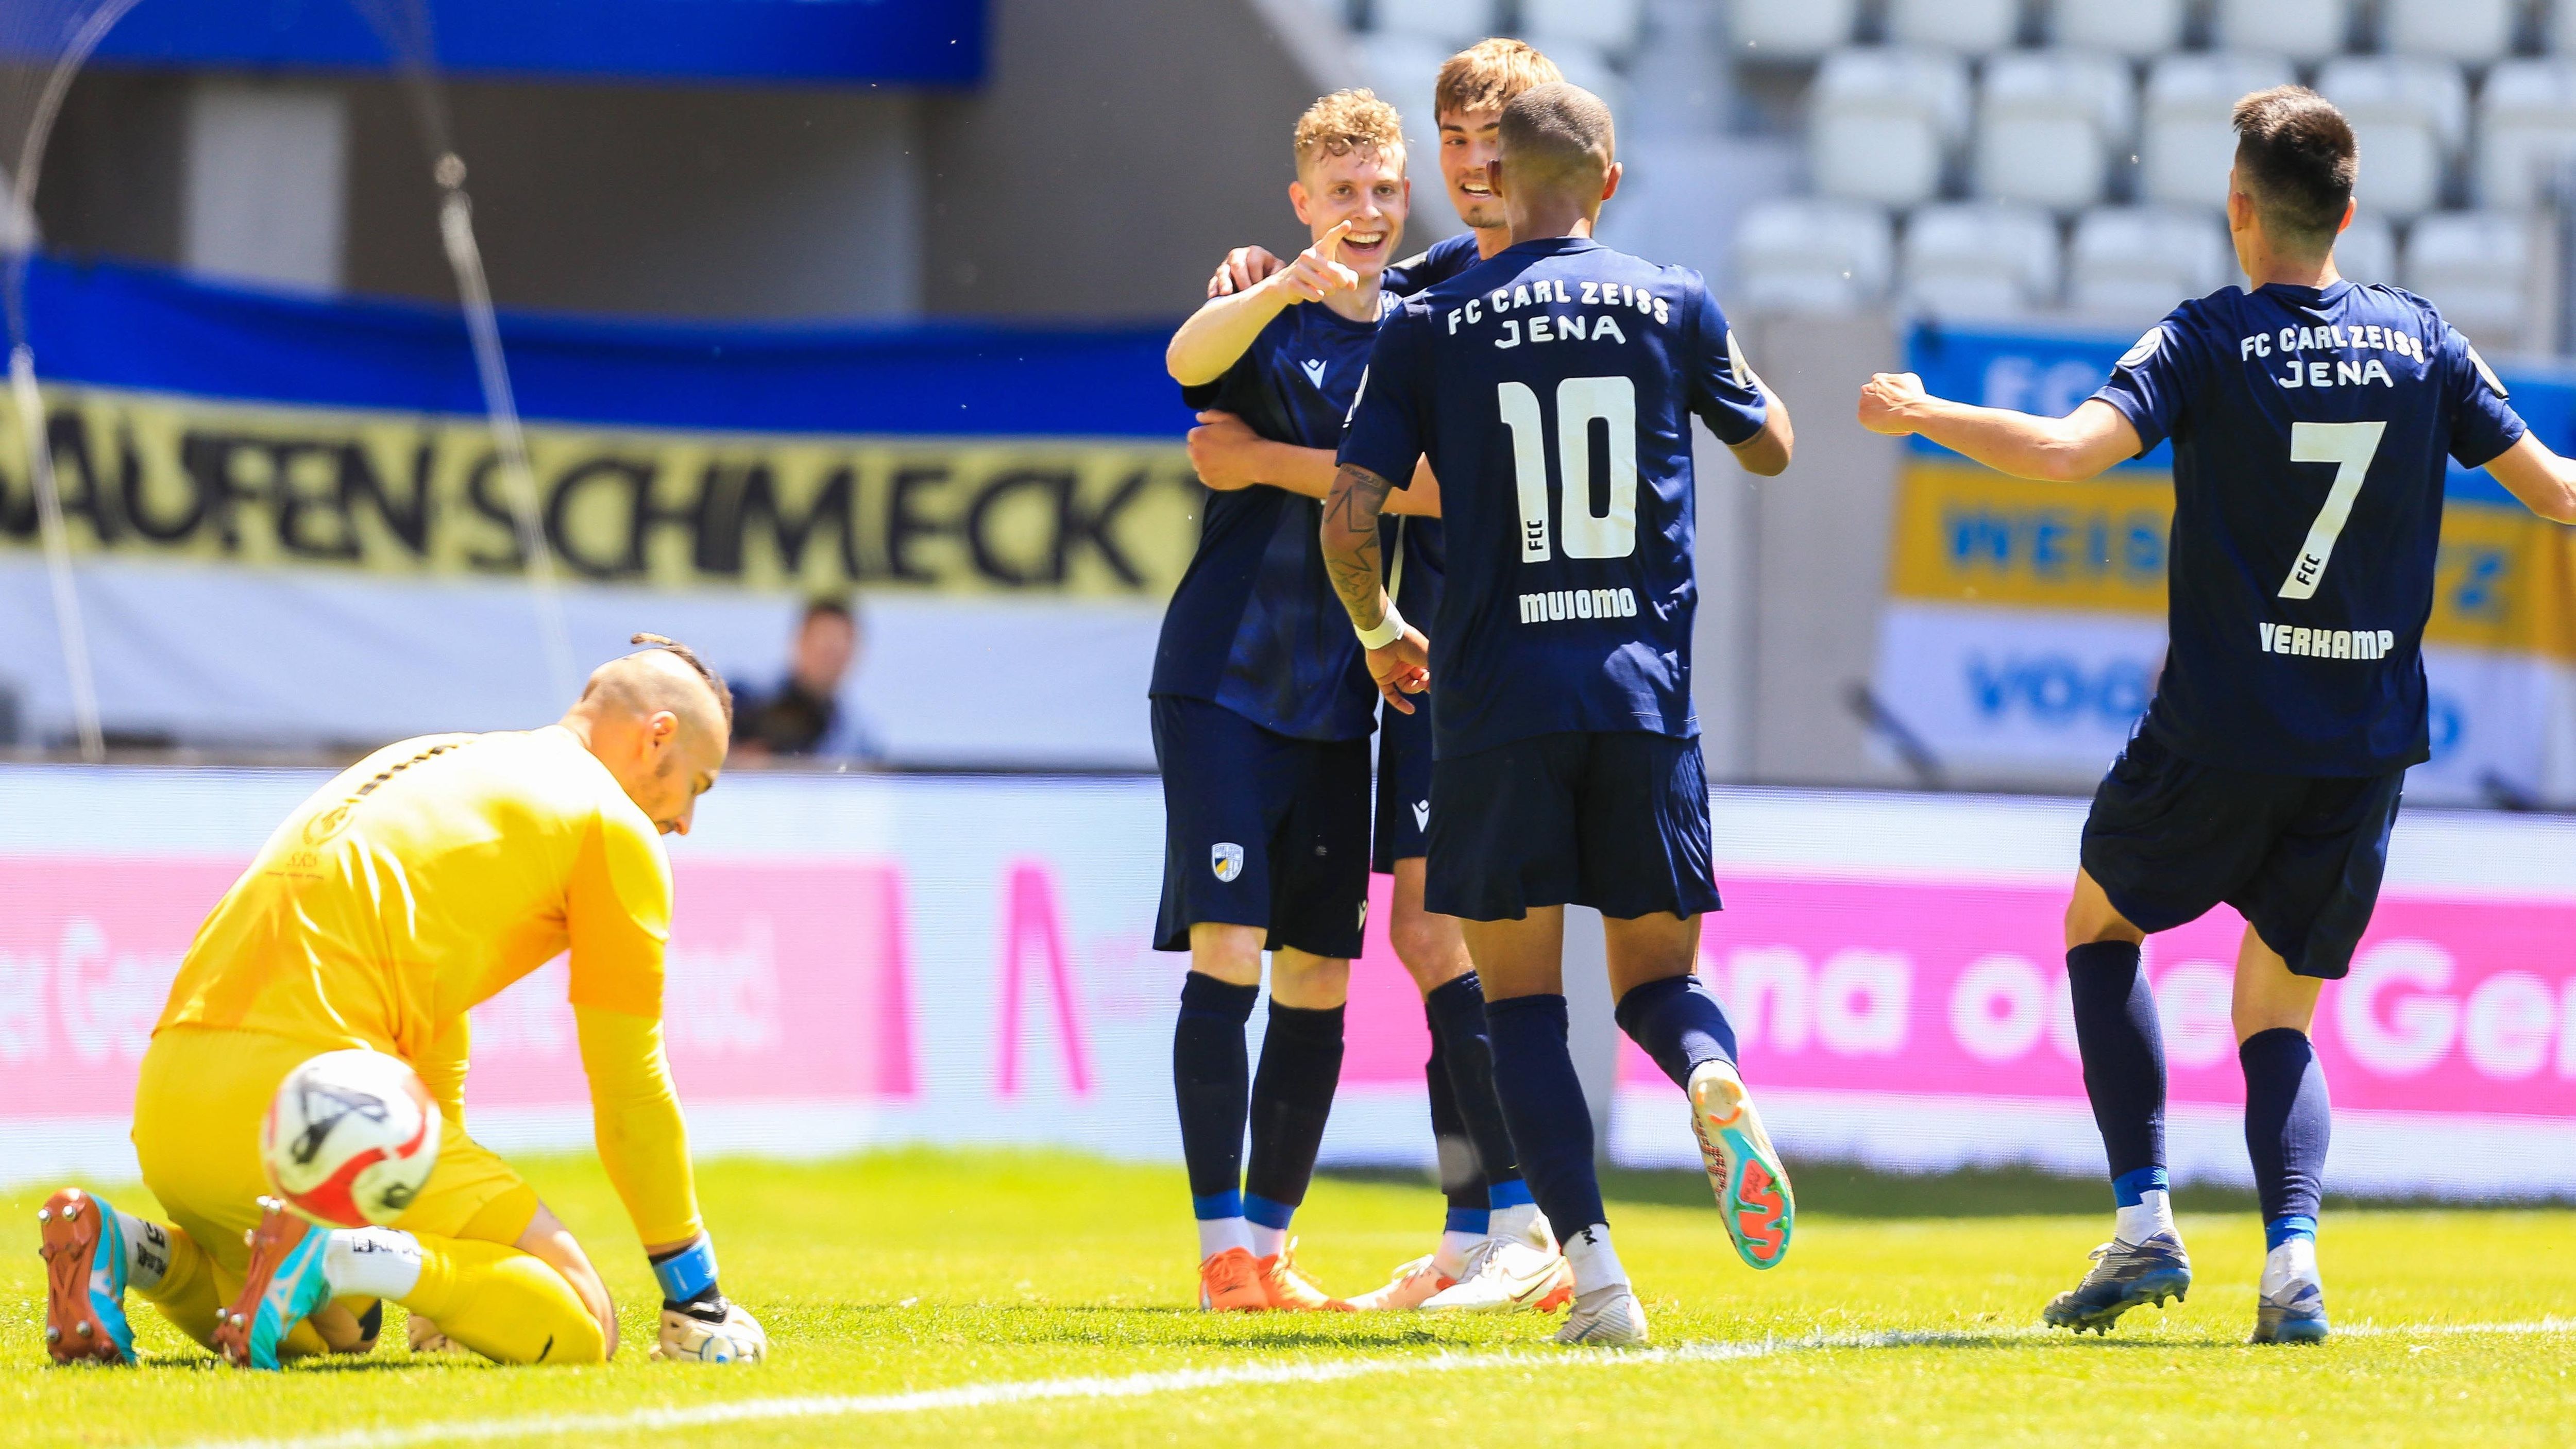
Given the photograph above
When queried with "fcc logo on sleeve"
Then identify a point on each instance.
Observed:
(1226, 859)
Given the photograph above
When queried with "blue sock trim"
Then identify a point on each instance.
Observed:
(1468, 1220)
(2130, 1188)
(2282, 1229)
(1268, 1212)
(1228, 1204)
(687, 1273)
(1511, 1192)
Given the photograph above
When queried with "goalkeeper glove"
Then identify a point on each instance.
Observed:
(698, 1325)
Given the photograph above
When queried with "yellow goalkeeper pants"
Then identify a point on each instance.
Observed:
(197, 1111)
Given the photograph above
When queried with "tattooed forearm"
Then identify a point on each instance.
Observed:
(1350, 543)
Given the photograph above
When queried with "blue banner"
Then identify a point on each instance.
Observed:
(152, 331)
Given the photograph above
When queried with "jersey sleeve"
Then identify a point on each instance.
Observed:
(1433, 265)
(2150, 380)
(1387, 431)
(1722, 388)
(619, 909)
(635, 1114)
(2484, 423)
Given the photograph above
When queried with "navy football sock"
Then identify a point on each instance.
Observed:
(1213, 1083)
(1457, 1013)
(1460, 1181)
(1292, 1095)
(1543, 1101)
(2124, 1053)
(1679, 1023)
(2287, 1123)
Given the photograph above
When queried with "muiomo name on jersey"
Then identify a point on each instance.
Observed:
(1557, 605)
(2327, 643)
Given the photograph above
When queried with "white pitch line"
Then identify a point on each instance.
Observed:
(1136, 1386)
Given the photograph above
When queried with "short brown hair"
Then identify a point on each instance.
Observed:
(2296, 157)
(1557, 134)
(1487, 75)
(1348, 121)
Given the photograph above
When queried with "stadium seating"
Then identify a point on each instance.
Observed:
(1788, 30)
(1588, 66)
(1883, 123)
(2303, 30)
(1804, 255)
(1611, 26)
(2186, 145)
(2526, 130)
(1447, 23)
(2367, 251)
(2137, 29)
(1401, 68)
(2476, 267)
(2411, 116)
(1973, 27)
(2049, 124)
(1980, 260)
(2132, 264)
(2474, 31)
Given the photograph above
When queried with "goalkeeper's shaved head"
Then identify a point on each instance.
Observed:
(1558, 139)
(662, 722)
(667, 675)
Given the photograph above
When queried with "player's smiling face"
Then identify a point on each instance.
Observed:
(1366, 188)
(1467, 143)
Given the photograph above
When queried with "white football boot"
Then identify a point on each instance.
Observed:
(1606, 1317)
(1506, 1275)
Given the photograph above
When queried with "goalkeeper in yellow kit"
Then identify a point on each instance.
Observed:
(424, 880)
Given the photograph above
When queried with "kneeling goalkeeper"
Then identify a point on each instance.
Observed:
(423, 881)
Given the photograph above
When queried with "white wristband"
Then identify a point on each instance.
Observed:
(1388, 630)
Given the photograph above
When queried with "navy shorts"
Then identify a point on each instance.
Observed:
(1403, 785)
(2299, 856)
(1260, 829)
(1617, 821)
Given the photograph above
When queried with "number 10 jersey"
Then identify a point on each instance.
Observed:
(2310, 427)
(1552, 387)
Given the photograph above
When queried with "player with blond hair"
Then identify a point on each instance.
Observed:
(419, 883)
(1495, 1251)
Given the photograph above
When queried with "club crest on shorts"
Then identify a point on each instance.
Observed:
(1226, 859)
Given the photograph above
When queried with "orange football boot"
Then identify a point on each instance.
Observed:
(1292, 1291)
(1231, 1282)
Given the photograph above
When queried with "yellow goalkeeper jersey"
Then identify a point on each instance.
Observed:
(424, 880)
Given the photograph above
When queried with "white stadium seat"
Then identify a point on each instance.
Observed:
(2134, 28)
(2133, 264)
(2473, 31)
(1883, 123)
(1586, 66)
(1451, 23)
(2410, 116)
(1804, 255)
(2476, 267)
(2186, 143)
(1401, 68)
(2526, 130)
(2049, 124)
(1792, 29)
(1980, 259)
(2303, 30)
(2367, 250)
(1971, 26)
(1610, 25)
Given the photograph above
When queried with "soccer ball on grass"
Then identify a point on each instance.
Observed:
(351, 1139)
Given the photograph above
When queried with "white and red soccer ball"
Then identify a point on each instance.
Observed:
(350, 1139)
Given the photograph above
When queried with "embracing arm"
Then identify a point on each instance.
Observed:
(2094, 437)
(1228, 455)
(2545, 482)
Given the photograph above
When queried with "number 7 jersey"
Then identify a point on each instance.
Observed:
(2310, 427)
(1552, 387)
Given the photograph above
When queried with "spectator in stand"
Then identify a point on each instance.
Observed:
(805, 714)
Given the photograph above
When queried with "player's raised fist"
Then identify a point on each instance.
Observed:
(1888, 400)
(1243, 269)
(710, 1331)
(1319, 270)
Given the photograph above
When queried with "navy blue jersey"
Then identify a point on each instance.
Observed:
(1433, 265)
(1255, 625)
(1553, 388)
(2309, 429)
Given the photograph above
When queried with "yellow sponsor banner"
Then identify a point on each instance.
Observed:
(156, 476)
(2505, 579)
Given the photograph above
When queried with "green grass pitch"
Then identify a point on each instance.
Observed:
(1906, 1314)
